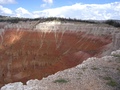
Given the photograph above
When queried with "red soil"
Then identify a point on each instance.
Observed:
(28, 55)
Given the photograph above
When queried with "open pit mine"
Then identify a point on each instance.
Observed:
(33, 49)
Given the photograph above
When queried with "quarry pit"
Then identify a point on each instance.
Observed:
(33, 53)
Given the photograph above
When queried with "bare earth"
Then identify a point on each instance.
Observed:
(93, 74)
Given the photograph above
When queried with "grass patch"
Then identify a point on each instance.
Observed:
(110, 82)
(95, 68)
(79, 75)
(118, 70)
(107, 78)
(84, 68)
(61, 81)
(116, 55)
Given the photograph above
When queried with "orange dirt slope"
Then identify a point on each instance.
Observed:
(27, 54)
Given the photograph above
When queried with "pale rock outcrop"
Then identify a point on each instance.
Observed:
(116, 53)
(13, 86)
(116, 41)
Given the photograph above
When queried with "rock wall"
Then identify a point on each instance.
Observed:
(116, 41)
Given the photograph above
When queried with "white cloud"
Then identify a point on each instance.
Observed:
(84, 11)
(48, 1)
(5, 11)
(21, 12)
(43, 5)
(78, 10)
(7, 1)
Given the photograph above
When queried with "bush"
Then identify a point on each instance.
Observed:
(61, 81)
(113, 23)
(110, 82)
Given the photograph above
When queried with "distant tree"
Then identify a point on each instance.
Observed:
(113, 23)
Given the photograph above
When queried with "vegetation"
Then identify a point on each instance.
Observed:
(118, 69)
(42, 19)
(84, 68)
(95, 68)
(113, 23)
(107, 78)
(110, 82)
(61, 81)
(118, 58)
(116, 55)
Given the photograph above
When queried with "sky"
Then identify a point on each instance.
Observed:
(79, 9)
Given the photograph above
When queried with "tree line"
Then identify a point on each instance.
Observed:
(115, 23)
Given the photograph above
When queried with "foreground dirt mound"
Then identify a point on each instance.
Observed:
(27, 54)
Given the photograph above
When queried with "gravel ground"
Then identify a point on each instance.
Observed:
(93, 74)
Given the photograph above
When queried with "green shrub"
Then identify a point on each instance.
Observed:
(110, 82)
(107, 78)
(84, 68)
(61, 81)
(116, 55)
(113, 23)
(95, 68)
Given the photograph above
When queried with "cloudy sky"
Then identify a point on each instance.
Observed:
(81, 9)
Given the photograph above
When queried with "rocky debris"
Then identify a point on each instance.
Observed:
(13, 86)
(116, 53)
(93, 74)
(116, 41)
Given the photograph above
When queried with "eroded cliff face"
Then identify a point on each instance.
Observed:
(32, 50)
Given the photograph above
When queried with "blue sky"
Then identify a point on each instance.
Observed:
(82, 9)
